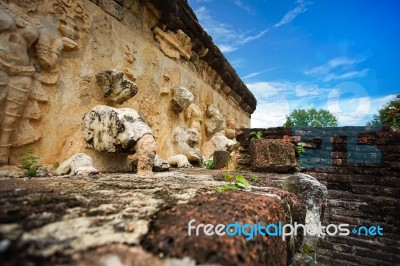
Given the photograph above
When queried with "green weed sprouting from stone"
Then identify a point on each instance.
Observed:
(29, 162)
(256, 135)
(309, 251)
(254, 178)
(300, 151)
(235, 183)
(209, 164)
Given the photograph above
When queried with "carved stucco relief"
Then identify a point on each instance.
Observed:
(30, 48)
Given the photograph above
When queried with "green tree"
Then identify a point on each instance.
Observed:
(388, 114)
(311, 118)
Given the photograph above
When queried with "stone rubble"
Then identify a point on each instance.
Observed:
(79, 164)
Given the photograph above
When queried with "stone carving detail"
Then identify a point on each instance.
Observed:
(79, 164)
(71, 20)
(194, 116)
(182, 99)
(186, 142)
(129, 52)
(16, 74)
(170, 79)
(121, 130)
(230, 131)
(21, 76)
(215, 122)
(115, 87)
(174, 45)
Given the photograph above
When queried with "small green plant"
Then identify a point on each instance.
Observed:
(256, 135)
(29, 162)
(209, 164)
(254, 178)
(309, 251)
(300, 149)
(235, 183)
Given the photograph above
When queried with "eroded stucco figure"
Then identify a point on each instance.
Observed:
(120, 130)
(30, 48)
(16, 74)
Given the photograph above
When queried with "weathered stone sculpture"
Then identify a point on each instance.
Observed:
(194, 116)
(16, 74)
(186, 142)
(79, 164)
(115, 86)
(230, 131)
(48, 54)
(215, 122)
(170, 79)
(182, 99)
(174, 45)
(121, 130)
(24, 66)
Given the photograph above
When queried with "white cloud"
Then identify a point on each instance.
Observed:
(348, 101)
(226, 48)
(243, 6)
(292, 14)
(226, 38)
(352, 104)
(348, 75)
(236, 63)
(332, 64)
(255, 74)
(273, 102)
(265, 90)
(385, 99)
(270, 114)
(245, 39)
(339, 68)
(229, 39)
(310, 90)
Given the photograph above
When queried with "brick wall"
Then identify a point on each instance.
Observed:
(361, 168)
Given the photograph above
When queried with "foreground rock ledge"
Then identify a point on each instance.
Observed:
(130, 219)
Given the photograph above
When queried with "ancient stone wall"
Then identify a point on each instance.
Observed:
(61, 47)
(361, 168)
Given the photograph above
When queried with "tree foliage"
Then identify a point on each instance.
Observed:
(388, 114)
(311, 118)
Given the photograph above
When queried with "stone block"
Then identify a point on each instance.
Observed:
(272, 156)
(221, 159)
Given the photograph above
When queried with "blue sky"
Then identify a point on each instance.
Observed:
(340, 55)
